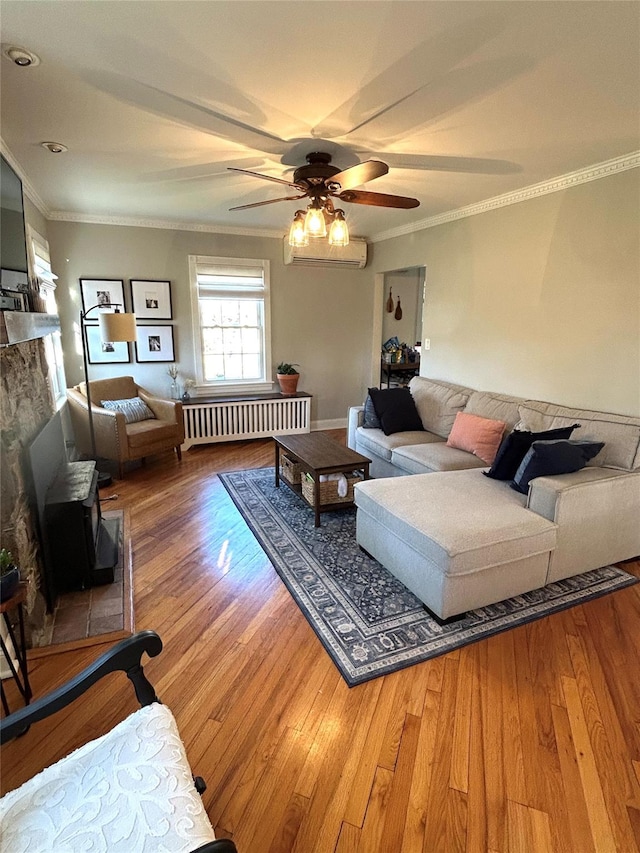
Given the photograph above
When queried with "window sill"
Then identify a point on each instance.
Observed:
(226, 388)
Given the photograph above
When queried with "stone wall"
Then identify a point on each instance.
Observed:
(25, 408)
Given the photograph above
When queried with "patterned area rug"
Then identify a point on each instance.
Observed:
(369, 623)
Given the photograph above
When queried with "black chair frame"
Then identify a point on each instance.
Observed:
(125, 656)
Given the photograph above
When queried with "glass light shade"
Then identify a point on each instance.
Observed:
(314, 223)
(117, 327)
(297, 234)
(339, 231)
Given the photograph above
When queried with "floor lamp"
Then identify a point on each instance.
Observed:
(116, 327)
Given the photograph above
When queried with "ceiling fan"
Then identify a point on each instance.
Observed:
(320, 181)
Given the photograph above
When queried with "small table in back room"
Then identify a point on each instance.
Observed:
(318, 455)
(404, 367)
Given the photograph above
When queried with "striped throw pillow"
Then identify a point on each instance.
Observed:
(134, 410)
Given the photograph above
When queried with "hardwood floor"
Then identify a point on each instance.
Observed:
(526, 742)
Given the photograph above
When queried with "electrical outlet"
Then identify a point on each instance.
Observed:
(426, 343)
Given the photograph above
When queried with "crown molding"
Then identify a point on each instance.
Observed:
(168, 224)
(27, 186)
(563, 182)
(552, 185)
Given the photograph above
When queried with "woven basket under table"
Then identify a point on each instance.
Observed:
(290, 469)
(329, 489)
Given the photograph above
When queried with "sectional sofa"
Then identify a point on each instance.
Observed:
(460, 540)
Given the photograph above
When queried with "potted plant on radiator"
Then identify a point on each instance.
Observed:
(288, 378)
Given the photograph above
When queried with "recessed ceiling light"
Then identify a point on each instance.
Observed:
(54, 147)
(21, 56)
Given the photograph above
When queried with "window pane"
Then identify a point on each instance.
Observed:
(249, 313)
(252, 367)
(233, 366)
(251, 340)
(213, 367)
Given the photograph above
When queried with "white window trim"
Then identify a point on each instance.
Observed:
(225, 386)
(56, 379)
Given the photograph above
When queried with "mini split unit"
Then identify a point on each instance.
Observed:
(321, 254)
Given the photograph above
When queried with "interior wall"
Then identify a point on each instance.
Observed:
(539, 299)
(406, 286)
(320, 317)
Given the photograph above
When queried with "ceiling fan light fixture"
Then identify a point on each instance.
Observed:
(339, 231)
(314, 221)
(297, 234)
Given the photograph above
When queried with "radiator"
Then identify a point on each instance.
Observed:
(239, 419)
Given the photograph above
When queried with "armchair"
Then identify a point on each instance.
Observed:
(129, 791)
(115, 439)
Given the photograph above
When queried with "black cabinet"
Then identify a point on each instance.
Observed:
(81, 553)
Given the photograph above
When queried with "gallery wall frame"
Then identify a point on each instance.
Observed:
(154, 343)
(98, 291)
(99, 352)
(151, 300)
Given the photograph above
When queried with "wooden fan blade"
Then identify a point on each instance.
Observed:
(359, 174)
(378, 199)
(265, 177)
(269, 201)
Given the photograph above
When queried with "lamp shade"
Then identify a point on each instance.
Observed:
(117, 327)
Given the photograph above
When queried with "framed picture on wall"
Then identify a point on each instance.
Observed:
(155, 343)
(101, 291)
(151, 300)
(99, 352)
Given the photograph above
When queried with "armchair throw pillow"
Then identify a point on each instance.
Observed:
(134, 410)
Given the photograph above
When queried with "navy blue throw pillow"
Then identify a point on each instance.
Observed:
(514, 447)
(370, 420)
(396, 410)
(545, 458)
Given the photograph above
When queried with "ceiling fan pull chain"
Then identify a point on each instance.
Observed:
(390, 301)
(398, 310)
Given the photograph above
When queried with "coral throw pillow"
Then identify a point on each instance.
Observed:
(480, 436)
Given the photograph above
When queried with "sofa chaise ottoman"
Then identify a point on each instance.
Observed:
(460, 540)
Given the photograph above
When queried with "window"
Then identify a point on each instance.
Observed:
(41, 265)
(230, 305)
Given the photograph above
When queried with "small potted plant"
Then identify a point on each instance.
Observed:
(9, 575)
(288, 378)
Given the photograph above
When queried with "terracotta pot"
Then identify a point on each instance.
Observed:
(288, 382)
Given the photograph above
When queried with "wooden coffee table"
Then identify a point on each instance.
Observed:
(317, 454)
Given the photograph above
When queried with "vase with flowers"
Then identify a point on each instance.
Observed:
(174, 390)
(189, 385)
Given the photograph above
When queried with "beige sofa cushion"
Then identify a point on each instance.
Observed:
(438, 456)
(498, 407)
(497, 527)
(375, 441)
(438, 403)
(620, 433)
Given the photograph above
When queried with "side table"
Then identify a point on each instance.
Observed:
(21, 675)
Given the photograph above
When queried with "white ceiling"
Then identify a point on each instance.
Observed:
(464, 100)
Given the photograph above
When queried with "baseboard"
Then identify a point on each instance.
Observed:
(336, 423)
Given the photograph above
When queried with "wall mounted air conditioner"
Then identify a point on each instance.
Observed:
(321, 254)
